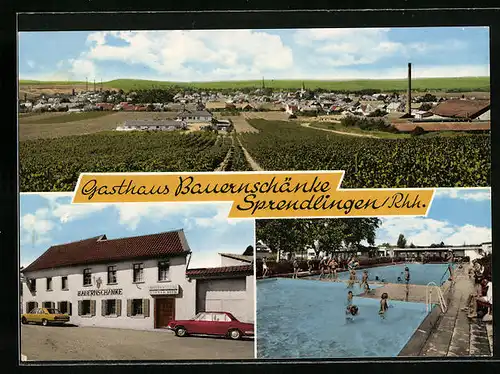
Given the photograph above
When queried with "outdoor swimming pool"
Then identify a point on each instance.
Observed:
(306, 319)
(419, 273)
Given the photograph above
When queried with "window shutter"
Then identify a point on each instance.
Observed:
(118, 307)
(80, 307)
(145, 307)
(129, 307)
(36, 304)
(59, 305)
(52, 304)
(92, 308)
(70, 308)
(103, 307)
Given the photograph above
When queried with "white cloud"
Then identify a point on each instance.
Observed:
(464, 194)
(171, 53)
(36, 228)
(426, 231)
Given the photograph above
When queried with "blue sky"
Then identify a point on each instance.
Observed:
(456, 216)
(211, 55)
(49, 219)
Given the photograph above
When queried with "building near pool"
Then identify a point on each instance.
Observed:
(140, 282)
(471, 251)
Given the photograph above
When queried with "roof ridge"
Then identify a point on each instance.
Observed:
(142, 236)
(79, 241)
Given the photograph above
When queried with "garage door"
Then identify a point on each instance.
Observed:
(225, 295)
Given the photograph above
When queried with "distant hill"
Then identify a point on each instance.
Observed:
(427, 84)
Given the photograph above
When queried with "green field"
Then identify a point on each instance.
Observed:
(64, 118)
(428, 84)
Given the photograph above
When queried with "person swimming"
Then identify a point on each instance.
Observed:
(383, 304)
(376, 278)
(349, 298)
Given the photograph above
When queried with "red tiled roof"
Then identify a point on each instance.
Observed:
(100, 249)
(461, 108)
(220, 271)
(444, 126)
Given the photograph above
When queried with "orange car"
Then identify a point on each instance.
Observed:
(45, 316)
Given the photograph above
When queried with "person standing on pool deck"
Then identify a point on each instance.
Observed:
(295, 268)
(364, 279)
(264, 268)
(407, 275)
(322, 266)
(451, 260)
(383, 304)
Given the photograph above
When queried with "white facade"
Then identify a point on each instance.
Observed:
(235, 295)
(176, 294)
(486, 116)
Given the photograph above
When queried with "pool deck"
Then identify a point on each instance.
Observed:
(455, 335)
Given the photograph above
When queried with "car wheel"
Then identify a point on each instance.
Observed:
(24, 321)
(180, 331)
(45, 322)
(235, 334)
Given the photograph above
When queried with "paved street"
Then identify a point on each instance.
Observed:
(56, 343)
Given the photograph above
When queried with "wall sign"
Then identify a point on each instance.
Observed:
(105, 292)
(170, 289)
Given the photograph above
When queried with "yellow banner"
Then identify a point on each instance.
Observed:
(256, 194)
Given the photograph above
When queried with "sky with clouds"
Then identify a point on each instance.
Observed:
(49, 219)
(214, 55)
(456, 217)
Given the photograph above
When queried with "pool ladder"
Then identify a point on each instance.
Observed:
(428, 297)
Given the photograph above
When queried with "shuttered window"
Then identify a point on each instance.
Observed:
(111, 307)
(49, 284)
(30, 305)
(138, 307)
(64, 307)
(64, 283)
(86, 308)
(87, 277)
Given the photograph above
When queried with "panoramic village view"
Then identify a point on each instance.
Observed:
(393, 108)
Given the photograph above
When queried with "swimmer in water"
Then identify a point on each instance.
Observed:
(383, 304)
(351, 311)
(407, 275)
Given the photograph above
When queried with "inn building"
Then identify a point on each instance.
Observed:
(140, 282)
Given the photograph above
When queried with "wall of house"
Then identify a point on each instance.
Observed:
(184, 305)
(486, 116)
(233, 295)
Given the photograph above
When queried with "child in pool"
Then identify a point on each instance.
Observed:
(349, 299)
(383, 304)
(364, 279)
(352, 278)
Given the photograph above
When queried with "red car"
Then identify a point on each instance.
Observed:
(212, 323)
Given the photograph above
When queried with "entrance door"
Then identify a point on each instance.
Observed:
(165, 311)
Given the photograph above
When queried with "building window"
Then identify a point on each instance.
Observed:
(49, 284)
(86, 308)
(138, 273)
(30, 305)
(138, 307)
(111, 274)
(87, 277)
(163, 270)
(64, 283)
(32, 285)
(65, 307)
(48, 305)
(111, 307)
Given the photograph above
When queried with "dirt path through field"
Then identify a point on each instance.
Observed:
(253, 164)
(308, 125)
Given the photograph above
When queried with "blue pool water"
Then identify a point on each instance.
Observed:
(419, 273)
(306, 319)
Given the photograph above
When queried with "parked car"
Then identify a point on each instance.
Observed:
(212, 323)
(45, 316)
